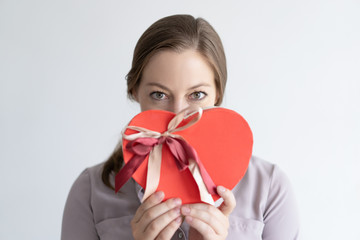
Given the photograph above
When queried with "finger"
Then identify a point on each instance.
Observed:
(203, 228)
(229, 200)
(207, 214)
(170, 229)
(161, 214)
(163, 225)
(151, 201)
(203, 209)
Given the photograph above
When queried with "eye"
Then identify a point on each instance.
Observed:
(158, 95)
(197, 95)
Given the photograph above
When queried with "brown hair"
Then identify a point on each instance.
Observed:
(177, 33)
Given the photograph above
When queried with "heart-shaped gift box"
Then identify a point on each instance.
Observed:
(221, 138)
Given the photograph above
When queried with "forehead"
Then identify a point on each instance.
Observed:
(188, 67)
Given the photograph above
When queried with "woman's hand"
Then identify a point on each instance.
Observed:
(156, 220)
(208, 222)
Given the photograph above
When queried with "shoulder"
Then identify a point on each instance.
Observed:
(83, 187)
(262, 182)
(264, 172)
(94, 176)
(273, 181)
(261, 174)
(86, 181)
(89, 174)
(265, 199)
(92, 173)
(89, 185)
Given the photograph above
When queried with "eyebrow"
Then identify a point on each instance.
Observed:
(167, 89)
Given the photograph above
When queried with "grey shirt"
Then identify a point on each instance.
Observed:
(265, 207)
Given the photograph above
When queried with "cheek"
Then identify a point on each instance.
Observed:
(145, 105)
(217, 99)
(214, 98)
(148, 104)
(142, 102)
(209, 102)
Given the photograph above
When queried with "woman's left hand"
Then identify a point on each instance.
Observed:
(208, 222)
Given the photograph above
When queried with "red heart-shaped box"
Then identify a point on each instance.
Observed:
(222, 139)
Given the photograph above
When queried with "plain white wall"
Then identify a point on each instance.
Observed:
(293, 74)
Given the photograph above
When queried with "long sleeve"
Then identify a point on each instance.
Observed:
(280, 216)
(78, 221)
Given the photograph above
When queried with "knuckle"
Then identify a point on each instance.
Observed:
(211, 219)
(173, 225)
(161, 237)
(149, 215)
(169, 203)
(152, 227)
(208, 232)
(174, 213)
(208, 207)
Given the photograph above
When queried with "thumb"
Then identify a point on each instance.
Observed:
(229, 200)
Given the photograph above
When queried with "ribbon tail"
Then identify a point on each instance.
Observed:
(153, 171)
(205, 196)
(127, 171)
(191, 153)
(210, 185)
(186, 156)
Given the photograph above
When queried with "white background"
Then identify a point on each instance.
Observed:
(293, 74)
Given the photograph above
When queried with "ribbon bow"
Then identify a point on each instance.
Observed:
(147, 142)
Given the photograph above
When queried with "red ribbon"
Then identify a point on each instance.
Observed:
(180, 149)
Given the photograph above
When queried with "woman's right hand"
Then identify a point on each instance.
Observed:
(155, 219)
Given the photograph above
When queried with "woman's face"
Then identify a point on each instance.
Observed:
(173, 81)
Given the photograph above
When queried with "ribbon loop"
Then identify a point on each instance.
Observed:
(141, 146)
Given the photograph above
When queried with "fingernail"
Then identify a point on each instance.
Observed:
(178, 220)
(221, 189)
(177, 201)
(159, 195)
(189, 219)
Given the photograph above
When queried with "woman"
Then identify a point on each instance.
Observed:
(179, 62)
